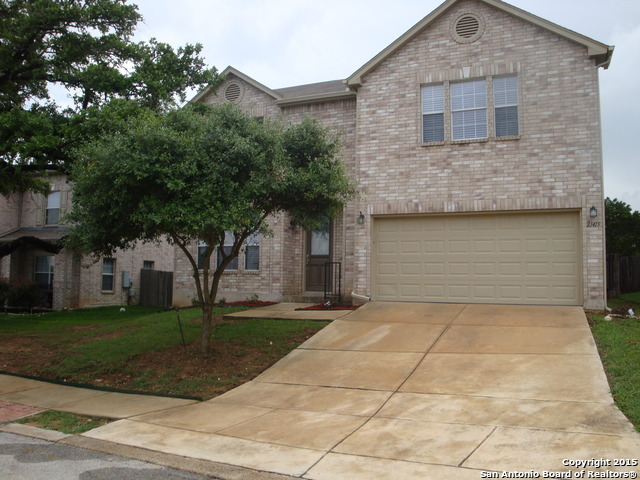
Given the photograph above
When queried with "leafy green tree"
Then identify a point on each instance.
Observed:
(622, 228)
(85, 49)
(196, 173)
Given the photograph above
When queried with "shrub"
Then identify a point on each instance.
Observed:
(24, 295)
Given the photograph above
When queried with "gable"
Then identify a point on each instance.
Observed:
(600, 52)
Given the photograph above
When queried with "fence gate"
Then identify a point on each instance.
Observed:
(156, 288)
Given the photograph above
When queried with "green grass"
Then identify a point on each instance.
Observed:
(44, 323)
(90, 345)
(68, 423)
(268, 335)
(619, 345)
(100, 340)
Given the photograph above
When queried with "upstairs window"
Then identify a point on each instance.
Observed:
(469, 110)
(148, 264)
(433, 113)
(505, 99)
(52, 212)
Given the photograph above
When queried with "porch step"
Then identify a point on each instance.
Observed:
(307, 298)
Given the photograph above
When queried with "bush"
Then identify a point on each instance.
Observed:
(25, 295)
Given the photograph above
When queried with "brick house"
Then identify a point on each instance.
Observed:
(31, 226)
(476, 139)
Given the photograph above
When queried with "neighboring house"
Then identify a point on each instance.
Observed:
(30, 231)
(476, 139)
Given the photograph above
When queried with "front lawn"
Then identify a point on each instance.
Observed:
(619, 346)
(142, 349)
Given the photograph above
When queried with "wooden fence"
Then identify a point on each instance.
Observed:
(156, 288)
(623, 275)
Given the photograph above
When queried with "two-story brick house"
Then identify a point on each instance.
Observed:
(31, 227)
(476, 140)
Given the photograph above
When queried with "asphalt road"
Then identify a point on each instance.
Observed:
(25, 458)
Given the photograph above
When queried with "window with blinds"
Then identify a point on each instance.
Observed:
(469, 110)
(433, 113)
(505, 99)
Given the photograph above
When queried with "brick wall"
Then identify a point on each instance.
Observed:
(555, 163)
(76, 280)
(282, 261)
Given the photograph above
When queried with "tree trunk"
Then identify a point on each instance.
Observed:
(205, 333)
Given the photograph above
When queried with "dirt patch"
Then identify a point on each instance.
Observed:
(178, 370)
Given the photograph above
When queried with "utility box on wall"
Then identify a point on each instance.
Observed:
(126, 280)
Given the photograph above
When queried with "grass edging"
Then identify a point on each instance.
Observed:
(67, 423)
(99, 388)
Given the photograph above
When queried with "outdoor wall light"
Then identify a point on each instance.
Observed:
(593, 212)
(361, 219)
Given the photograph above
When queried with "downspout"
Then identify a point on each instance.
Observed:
(361, 298)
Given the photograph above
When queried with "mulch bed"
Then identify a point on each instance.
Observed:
(336, 307)
(258, 303)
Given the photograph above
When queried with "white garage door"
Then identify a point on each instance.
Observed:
(524, 258)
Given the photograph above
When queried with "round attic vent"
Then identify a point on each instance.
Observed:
(233, 92)
(467, 28)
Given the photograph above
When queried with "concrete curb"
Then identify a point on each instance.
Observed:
(201, 467)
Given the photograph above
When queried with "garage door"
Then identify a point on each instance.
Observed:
(532, 258)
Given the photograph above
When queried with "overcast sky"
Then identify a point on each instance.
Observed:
(283, 43)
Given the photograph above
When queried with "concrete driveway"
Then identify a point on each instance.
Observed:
(412, 391)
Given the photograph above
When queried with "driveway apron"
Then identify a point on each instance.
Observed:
(412, 391)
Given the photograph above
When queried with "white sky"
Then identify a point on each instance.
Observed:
(283, 43)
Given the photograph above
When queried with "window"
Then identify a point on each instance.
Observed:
(469, 110)
(228, 244)
(108, 274)
(252, 253)
(147, 265)
(505, 99)
(433, 113)
(52, 213)
(43, 271)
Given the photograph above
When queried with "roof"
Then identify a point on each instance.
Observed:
(599, 51)
(338, 89)
(43, 233)
(313, 92)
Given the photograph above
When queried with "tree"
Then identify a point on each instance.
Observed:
(622, 228)
(84, 48)
(196, 173)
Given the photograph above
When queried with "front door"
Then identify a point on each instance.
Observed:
(318, 253)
